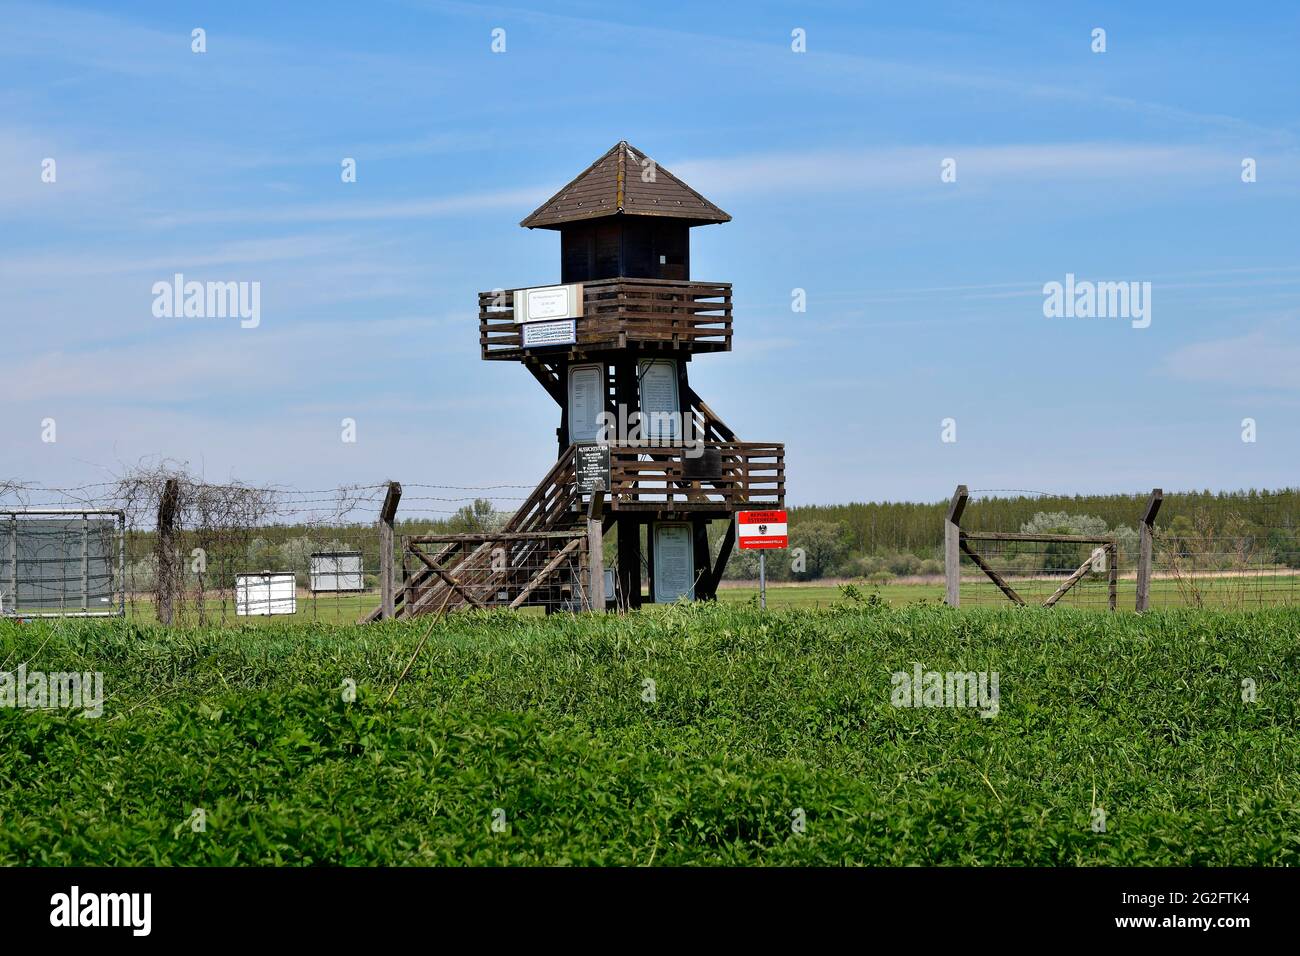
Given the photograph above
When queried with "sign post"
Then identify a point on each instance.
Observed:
(761, 531)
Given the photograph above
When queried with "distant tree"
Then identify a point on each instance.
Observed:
(479, 517)
(295, 555)
(1284, 545)
(823, 544)
(1063, 555)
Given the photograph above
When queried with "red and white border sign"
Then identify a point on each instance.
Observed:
(761, 529)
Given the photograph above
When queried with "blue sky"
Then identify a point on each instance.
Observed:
(924, 297)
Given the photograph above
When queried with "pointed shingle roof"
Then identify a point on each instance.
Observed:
(615, 184)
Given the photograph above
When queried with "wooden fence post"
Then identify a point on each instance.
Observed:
(596, 547)
(1112, 577)
(1145, 546)
(168, 557)
(386, 515)
(952, 546)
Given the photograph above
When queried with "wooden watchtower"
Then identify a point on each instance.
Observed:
(638, 319)
(612, 344)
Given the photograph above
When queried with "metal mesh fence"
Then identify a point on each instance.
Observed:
(239, 553)
(1210, 551)
(1232, 564)
(1039, 572)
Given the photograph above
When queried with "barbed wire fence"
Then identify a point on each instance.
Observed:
(200, 552)
(1249, 557)
(1194, 555)
(225, 545)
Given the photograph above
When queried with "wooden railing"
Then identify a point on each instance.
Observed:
(493, 569)
(690, 315)
(553, 505)
(722, 475)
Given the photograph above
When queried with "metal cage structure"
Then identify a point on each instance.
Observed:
(62, 562)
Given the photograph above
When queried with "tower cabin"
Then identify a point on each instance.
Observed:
(639, 453)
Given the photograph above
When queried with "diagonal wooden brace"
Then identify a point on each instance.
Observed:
(996, 578)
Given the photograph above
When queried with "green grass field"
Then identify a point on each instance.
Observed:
(758, 720)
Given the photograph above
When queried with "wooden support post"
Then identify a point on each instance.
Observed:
(705, 588)
(1146, 536)
(983, 565)
(724, 552)
(952, 546)
(1112, 581)
(387, 514)
(596, 548)
(629, 560)
(541, 575)
(167, 556)
(649, 558)
(1070, 582)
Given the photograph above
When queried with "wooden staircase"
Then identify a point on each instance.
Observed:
(530, 560)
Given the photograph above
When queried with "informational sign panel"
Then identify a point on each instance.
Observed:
(586, 401)
(660, 405)
(674, 562)
(591, 464)
(538, 335)
(336, 571)
(548, 302)
(761, 530)
(265, 593)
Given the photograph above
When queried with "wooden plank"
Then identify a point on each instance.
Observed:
(1146, 545)
(1070, 582)
(387, 514)
(168, 557)
(957, 506)
(1112, 584)
(596, 548)
(477, 537)
(993, 576)
(720, 566)
(545, 572)
(952, 547)
(447, 578)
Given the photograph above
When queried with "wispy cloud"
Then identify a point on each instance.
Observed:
(888, 169)
(1263, 358)
(427, 208)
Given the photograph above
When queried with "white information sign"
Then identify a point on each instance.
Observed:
(586, 401)
(266, 593)
(674, 562)
(548, 302)
(660, 406)
(541, 334)
(336, 571)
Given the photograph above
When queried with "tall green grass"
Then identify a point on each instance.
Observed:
(756, 716)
